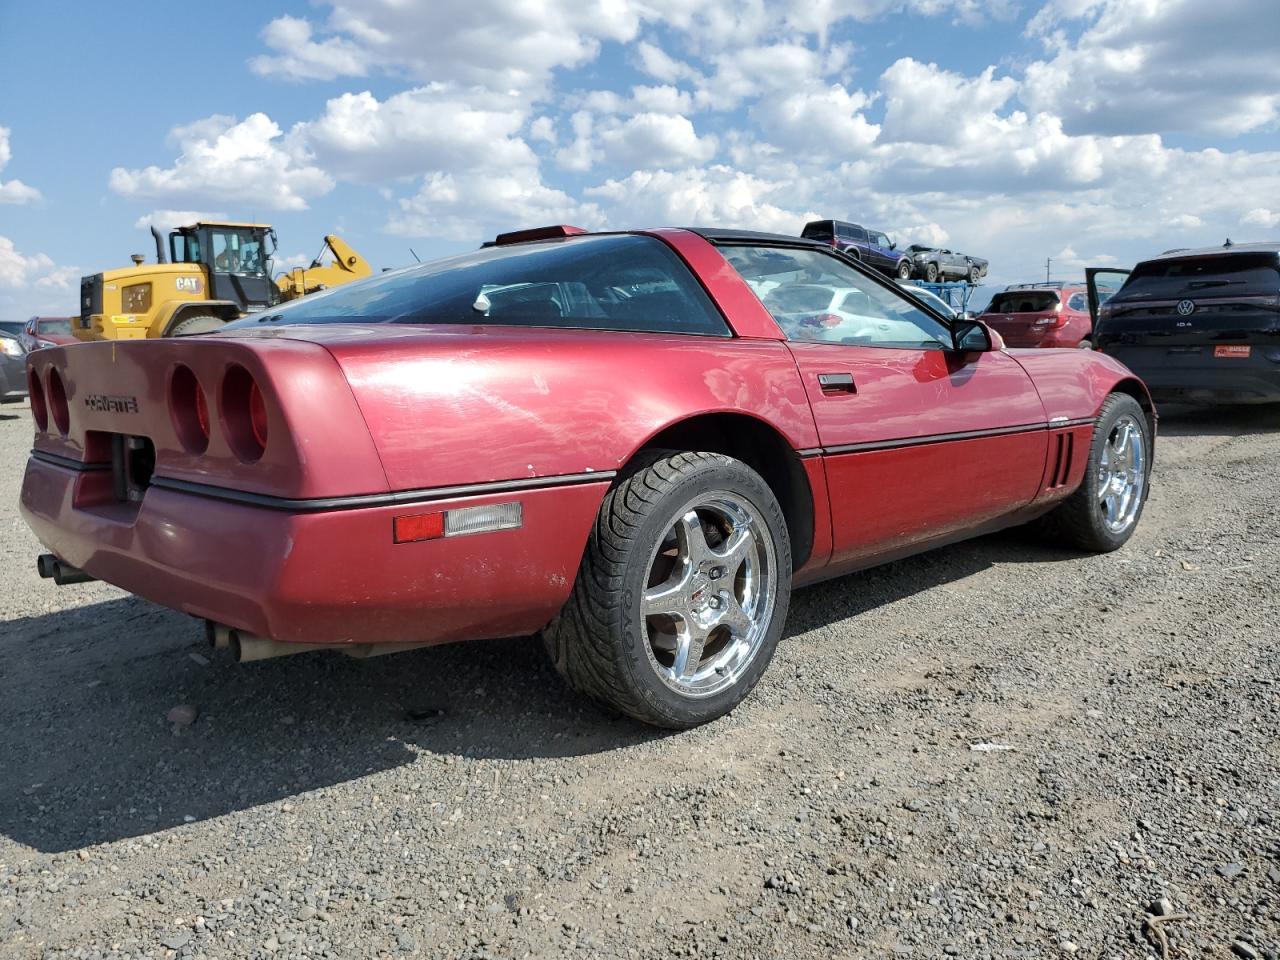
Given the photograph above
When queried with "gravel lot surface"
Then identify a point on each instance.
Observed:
(460, 802)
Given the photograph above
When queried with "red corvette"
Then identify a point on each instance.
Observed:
(634, 443)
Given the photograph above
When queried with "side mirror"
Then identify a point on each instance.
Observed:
(893, 244)
(971, 336)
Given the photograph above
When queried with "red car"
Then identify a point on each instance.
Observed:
(47, 332)
(1042, 315)
(634, 443)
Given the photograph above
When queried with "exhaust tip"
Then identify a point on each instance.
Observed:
(46, 565)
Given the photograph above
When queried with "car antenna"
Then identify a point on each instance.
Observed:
(1228, 243)
(415, 256)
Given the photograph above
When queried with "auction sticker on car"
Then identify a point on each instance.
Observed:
(1231, 350)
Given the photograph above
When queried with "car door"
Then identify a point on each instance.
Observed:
(920, 441)
(858, 239)
(1102, 283)
(881, 257)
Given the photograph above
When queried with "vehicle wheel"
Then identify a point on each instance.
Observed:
(1103, 513)
(904, 270)
(1085, 345)
(931, 272)
(974, 274)
(682, 593)
(196, 323)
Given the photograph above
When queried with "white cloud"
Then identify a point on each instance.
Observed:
(491, 43)
(13, 191)
(169, 219)
(1261, 217)
(223, 161)
(470, 207)
(926, 104)
(418, 131)
(705, 196)
(1141, 66)
(830, 121)
(661, 140)
(298, 57)
(16, 269)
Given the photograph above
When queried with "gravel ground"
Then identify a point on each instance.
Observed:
(460, 802)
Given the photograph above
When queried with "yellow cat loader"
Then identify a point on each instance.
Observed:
(213, 273)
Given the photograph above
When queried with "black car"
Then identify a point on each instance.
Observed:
(871, 247)
(1196, 325)
(936, 263)
(13, 369)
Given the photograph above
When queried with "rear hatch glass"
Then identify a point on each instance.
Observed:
(1023, 301)
(821, 230)
(1233, 274)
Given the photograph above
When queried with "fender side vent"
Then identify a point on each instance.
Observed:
(1062, 460)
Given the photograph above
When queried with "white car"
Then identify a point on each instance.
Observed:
(840, 314)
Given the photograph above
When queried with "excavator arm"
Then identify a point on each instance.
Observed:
(346, 265)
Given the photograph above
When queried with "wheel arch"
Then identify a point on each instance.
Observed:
(761, 447)
(1138, 390)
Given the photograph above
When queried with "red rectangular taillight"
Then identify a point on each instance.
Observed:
(419, 526)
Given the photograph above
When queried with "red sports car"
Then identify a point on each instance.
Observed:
(633, 443)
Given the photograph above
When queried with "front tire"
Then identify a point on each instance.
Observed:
(931, 273)
(974, 274)
(682, 593)
(1104, 510)
(196, 323)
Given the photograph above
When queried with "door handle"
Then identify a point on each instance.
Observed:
(837, 383)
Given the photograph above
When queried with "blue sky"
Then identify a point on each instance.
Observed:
(1090, 131)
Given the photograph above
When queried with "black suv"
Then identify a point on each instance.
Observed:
(870, 246)
(1196, 325)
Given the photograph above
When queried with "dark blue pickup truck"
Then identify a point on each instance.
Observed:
(870, 246)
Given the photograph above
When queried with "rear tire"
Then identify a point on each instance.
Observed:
(682, 593)
(1105, 509)
(196, 323)
(904, 270)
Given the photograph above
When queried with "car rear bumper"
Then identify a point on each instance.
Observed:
(1195, 375)
(332, 576)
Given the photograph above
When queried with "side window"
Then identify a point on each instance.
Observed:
(858, 234)
(815, 297)
(879, 240)
(1078, 302)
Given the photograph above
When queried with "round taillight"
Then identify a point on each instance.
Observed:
(189, 410)
(39, 409)
(244, 414)
(58, 402)
(258, 415)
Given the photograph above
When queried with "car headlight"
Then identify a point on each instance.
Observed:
(136, 298)
(11, 348)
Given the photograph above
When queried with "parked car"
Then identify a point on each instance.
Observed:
(936, 264)
(1201, 325)
(931, 299)
(1041, 315)
(13, 369)
(871, 247)
(47, 332)
(639, 463)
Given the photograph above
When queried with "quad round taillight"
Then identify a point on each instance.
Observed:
(58, 402)
(189, 410)
(258, 415)
(244, 414)
(39, 409)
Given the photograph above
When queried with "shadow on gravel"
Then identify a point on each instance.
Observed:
(87, 756)
(1179, 420)
(10, 416)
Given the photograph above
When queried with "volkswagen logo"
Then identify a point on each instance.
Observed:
(1186, 307)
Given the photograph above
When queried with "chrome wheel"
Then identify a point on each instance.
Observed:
(710, 595)
(1122, 474)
